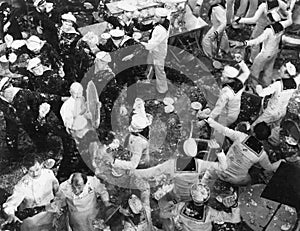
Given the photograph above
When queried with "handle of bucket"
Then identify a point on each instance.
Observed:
(192, 128)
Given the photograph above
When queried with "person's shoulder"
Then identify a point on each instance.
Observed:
(25, 181)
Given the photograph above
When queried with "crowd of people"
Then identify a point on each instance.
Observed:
(51, 64)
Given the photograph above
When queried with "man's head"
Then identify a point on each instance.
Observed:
(33, 164)
(40, 5)
(35, 66)
(68, 20)
(117, 34)
(102, 60)
(262, 131)
(34, 44)
(287, 70)
(78, 181)
(160, 15)
(76, 90)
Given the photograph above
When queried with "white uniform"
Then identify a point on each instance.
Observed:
(71, 109)
(83, 208)
(158, 47)
(265, 60)
(282, 91)
(188, 218)
(218, 20)
(242, 155)
(29, 193)
(229, 101)
(261, 20)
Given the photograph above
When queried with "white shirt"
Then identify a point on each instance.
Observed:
(240, 157)
(158, 44)
(229, 102)
(31, 192)
(262, 10)
(71, 109)
(280, 98)
(87, 199)
(218, 18)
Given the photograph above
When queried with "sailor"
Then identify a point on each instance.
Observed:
(268, 12)
(227, 107)
(158, 47)
(281, 90)
(197, 215)
(245, 151)
(270, 39)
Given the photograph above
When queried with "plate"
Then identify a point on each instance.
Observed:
(168, 101)
(105, 35)
(196, 105)
(169, 108)
(290, 140)
(137, 35)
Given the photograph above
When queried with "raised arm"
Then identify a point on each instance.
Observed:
(265, 35)
(255, 17)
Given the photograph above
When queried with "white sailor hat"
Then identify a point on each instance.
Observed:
(69, 17)
(200, 193)
(34, 42)
(3, 82)
(17, 44)
(190, 147)
(126, 7)
(32, 63)
(37, 3)
(291, 69)
(104, 56)
(135, 204)
(230, 72)
(161, 12)
(139, 122)
(117, 33)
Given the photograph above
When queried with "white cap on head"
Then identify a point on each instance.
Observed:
(126, 7)
(3, 81)
(33, 63)
(139, 122)
(190, 147)
(76, 87)
(116, 33)
(69, 17)
(103, 56)
(291, 69)
(230, 72)
(135, 204)
(17, 44)
(161, 12)
(34, 42)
